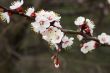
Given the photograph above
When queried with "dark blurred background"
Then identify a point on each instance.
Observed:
(23, 51)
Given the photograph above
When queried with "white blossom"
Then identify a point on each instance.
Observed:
(85, 24)
(53, 35)
(89, 46)
(104, 38)
(90, 25)
(5, 16)
(57, 65)
(66, 42)
(40, 24)
(29, 11)
(80, 37)
(16, 4)
(50, 15)
(79, 21)
(57, 24)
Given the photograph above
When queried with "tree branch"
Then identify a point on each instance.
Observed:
(63, 30)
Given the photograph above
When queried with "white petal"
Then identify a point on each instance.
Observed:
(57, 24)
(79, 21)
(66, 42)
(65, 38)
(89, 46)
(57, 65)
(64, 45)
(83, 50)
(5, 17)
(29, 11)
(46, 24)
(42, 29)
(90, 24)
(104, 38)
(53, 35)
(80, 37)
(16, 4)
(35, 26)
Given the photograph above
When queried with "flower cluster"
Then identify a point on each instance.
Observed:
(104, 38)
(30, 12)
(85, 25)
(47, 23)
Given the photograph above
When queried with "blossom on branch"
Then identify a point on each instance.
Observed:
(5, 16)
(79, 21)
(30, 12)
(40, 24)
(44, 19)
(89, 46)
(16, 4)
(80, 37)
(50, 15)
(85, 25)
(53, 35)
(66, 42)
(47, 23)
(104, 38)
(56, 61)
(57, 24)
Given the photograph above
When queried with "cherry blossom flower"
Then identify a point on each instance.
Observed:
(66, 42)
(104, 38)
(16, 4)
(50, 15)
(79, 21)
(56, 61)
(80, 37)
(57, 24)
(53, 35)
(90, 26)
(30, 12)
(85, 25)
(40, 24)
(89, 46)
(5, 16)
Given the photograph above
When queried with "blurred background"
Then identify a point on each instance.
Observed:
(23, 51)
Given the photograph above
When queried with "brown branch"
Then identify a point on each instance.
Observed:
(15, 12)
